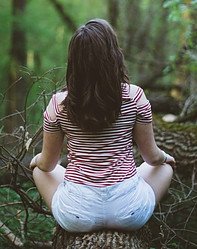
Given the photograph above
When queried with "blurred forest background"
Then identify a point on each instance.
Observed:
(158, 39)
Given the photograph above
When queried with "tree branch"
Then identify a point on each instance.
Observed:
(10, 235)
(64, 15)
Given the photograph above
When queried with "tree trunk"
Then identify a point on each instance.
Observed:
(113, 12)
(17, 86)
(102, 239)
(152, 70)
(132, 15)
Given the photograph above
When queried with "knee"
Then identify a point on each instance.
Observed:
(36, 173)
(164, 172)
(168, 170)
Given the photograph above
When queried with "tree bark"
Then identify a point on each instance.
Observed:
(113, 12)
(102, 239)
(17, 86)
(179, 140)
(164, 103)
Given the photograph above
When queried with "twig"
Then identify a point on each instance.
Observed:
(18, 216)
(40, 244)
(193, 176)
(10, 204)
(181, 184)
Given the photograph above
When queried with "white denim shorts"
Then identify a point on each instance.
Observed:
(126, 205)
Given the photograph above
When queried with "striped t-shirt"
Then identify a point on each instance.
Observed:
(106, 157)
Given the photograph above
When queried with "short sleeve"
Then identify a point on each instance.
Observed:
(51, 123)
(144, 113)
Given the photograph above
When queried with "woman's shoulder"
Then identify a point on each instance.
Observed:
(55, 104)
(136, 93)
(132, 90)
(59, 97)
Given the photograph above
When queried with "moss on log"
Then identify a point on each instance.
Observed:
(106, 239)
(180, 140)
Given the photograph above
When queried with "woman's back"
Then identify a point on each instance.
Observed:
(106, 157)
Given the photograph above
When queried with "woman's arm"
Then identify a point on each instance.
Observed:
(51, 149)
(150, 152)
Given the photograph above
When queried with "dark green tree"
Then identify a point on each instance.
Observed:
(17, 86)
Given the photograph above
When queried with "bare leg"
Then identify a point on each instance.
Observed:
(158, 177)
(47, 182)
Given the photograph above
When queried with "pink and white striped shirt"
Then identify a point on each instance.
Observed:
(104, 158)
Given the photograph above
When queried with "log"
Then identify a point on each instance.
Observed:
(163, 103)
(179, 140)
(105, 239)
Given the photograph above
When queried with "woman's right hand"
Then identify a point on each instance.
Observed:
(34, 161)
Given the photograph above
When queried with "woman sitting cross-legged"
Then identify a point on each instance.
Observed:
(100, 115)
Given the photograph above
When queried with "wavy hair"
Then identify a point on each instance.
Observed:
(94, 75)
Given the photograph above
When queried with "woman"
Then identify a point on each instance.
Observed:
(100, 114)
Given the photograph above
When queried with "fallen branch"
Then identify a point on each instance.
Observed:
(10, 235)
(6, 232)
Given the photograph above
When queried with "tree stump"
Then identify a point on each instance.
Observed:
(105, 239)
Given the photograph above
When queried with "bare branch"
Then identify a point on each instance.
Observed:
(64, 15)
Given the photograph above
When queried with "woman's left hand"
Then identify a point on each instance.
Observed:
(34, 161)
(170, 160)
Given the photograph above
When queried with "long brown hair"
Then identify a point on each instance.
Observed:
(94, 75)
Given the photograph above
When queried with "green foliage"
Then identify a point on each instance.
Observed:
(182, 14)
(48, 36)
(47, 39)
(155, 42)
(40, 91)
(27, 225)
